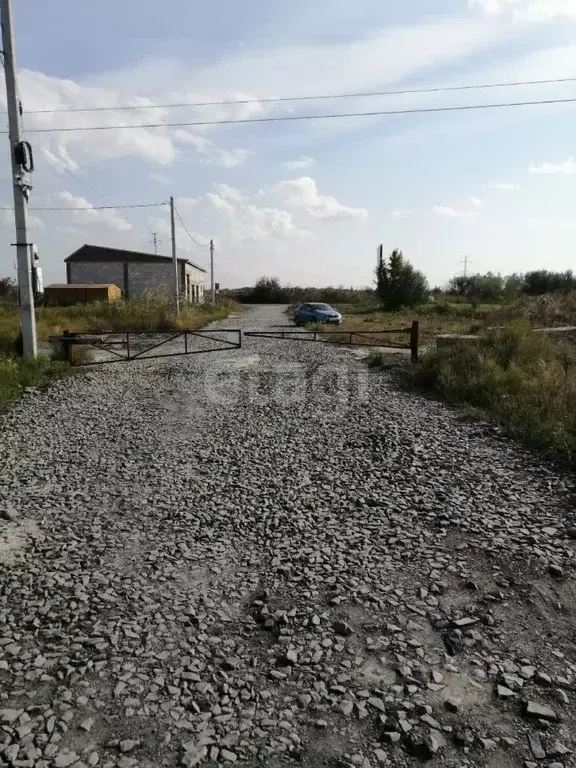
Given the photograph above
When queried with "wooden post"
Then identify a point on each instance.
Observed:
(68, 348)
(414, 338)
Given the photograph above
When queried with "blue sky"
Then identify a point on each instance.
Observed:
(308, 201)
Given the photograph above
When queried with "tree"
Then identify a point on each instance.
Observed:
(513, 285)
(8, 289)
(398, 284)
(460, 285)
(268, 291)
(542, 281)
(488, 287)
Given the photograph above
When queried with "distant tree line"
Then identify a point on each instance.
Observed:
(399, 284)
(269, 290)
(491, 287)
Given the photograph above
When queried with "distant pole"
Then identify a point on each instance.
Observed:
(212, 291)
(22, 163)
(155, 241)
(174, 257)
(466, 260)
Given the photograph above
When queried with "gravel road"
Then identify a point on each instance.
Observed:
(272, 556)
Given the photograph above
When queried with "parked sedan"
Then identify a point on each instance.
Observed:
(316, 312)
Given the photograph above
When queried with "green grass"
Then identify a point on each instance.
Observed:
(16, 375)
(524, 381)
(148, 314)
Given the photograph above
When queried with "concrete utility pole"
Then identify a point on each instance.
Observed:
(212, 292)
(174, 257)
(22, 164)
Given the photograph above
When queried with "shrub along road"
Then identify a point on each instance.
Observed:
(272, 555)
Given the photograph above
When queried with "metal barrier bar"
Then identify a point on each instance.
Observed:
(98, 342)
(368, 338)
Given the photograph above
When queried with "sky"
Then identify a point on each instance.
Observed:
(305, 201)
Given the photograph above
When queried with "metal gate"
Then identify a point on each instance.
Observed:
(350, 338)
(127, 346)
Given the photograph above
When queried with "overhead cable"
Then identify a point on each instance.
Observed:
(188, 232)
(283, 99)
(301, 118)
(93, 207)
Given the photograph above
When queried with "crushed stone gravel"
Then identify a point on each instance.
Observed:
(273, 556)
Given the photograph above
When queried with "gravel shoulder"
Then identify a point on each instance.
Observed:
(270, 556)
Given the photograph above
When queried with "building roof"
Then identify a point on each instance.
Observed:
(69, 286)
(102, 253)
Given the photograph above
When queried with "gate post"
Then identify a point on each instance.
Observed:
(68, 347)
(414, 338)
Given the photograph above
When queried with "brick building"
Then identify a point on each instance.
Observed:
(136, 273)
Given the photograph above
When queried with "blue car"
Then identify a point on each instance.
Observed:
(316, 312)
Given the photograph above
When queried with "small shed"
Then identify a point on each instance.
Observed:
(64, 295)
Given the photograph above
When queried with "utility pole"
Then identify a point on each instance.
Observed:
(174, 257)
(22, 164)
(155, 242)
(465, 260)
(212, 293)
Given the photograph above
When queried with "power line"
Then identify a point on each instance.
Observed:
(320, 97)
(95, 207)
(293, 118)
(187, 232)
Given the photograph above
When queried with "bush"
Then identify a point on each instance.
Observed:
(521, 379)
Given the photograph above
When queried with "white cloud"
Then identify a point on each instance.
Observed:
(401, 214)
(247, 222)
(527, 10)
(476, 201)
(230, 158)
(303, 162)
(69, 151)
(568, 167)
(228, 192)
(212, 155)
(504, 186)
(451, 213)
(303, 194)
(200, 143)
(160, 178)
(87, 214)
(261, 223)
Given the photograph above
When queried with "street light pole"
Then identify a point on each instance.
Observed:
(22, 165)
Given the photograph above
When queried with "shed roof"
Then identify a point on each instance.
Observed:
(82, 285)
(103, 253)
